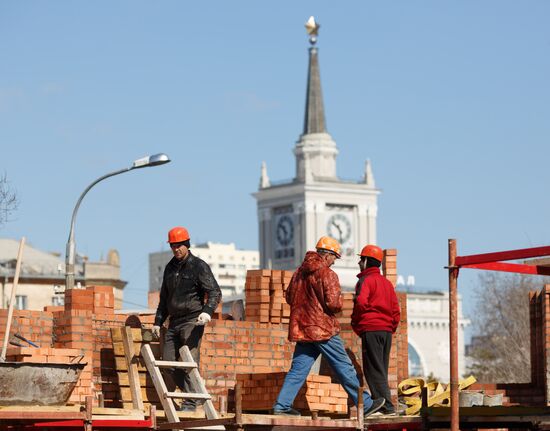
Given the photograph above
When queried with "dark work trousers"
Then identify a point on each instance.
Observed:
(178, 335)
(376, 359)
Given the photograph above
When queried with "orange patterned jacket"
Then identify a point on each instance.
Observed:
(314, 296)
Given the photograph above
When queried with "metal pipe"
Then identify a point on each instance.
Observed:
(453, 334)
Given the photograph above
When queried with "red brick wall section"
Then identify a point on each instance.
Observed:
(36, 326)
(73, 329)
(153, 299)
(389, 265)
(229, 347)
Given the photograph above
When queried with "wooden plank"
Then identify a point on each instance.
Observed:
(29, 413)
(118, 348)
(197, 414)
(203, 423)
(48, 409)
(303, 423)
(116, 334)
(147, 394)
(492, 411)
(108, 411)
(167, 403)
(138, 334)
(121, 365)
(189, 395)
(144, 380)
(104, 418)
(127, 339)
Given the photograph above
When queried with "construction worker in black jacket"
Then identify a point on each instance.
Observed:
(189, 295)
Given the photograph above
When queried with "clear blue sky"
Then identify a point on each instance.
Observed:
(449, 100)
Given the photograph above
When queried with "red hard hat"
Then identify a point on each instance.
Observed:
(372, 251)
(178, 234)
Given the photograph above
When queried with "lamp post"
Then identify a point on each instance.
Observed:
(154, 160)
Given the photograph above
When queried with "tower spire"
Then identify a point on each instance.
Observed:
(315, 150)
(314, 120)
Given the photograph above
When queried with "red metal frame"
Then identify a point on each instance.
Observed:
(511, 267)
(489, 262)
(522, 253)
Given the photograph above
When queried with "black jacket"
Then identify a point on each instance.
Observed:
(185, 285)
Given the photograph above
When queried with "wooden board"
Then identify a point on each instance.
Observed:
(138, 335)
(131, 363)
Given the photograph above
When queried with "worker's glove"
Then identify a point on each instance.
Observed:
(156, 331)
(203, 319)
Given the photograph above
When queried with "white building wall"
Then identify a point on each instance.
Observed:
(33, 296)
(428, 332)
(229, 266)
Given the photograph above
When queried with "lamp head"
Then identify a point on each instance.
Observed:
(154, 160)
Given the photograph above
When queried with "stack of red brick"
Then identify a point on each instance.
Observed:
(259, 392)
(264, 296)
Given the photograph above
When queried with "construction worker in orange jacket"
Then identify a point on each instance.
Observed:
(375, 318)
(314, 296)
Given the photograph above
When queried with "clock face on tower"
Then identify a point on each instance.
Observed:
(284, 231)
(339, 227)
(284, 236)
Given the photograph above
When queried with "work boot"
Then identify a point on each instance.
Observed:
(188, 408)
(376, 405)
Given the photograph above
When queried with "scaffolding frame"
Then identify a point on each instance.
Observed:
(489, 262)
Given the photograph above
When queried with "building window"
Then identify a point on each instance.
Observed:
(58, 300)
(415, 364)
(21, 302)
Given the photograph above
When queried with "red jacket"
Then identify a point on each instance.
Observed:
(375, 305)
(314, 297)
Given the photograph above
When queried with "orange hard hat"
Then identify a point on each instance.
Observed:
(330, 244)
(372, 251)
(178, 234)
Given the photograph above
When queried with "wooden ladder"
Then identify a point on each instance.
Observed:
(167, 398)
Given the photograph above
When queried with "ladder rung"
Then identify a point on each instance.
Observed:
(175, 364)
(194, 396)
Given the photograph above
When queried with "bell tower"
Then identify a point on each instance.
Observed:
(293, 214)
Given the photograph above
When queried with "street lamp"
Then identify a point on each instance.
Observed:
(154, 160)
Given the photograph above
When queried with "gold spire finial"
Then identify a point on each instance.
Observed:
(312, 29)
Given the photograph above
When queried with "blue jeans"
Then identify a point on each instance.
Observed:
(305, 355)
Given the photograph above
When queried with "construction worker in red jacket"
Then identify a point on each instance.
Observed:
(375, 318)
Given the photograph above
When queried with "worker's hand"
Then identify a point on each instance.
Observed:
(156, 331)
(203, 319)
